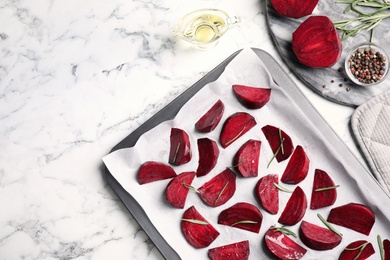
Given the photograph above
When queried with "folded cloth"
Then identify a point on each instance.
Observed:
(371, 127)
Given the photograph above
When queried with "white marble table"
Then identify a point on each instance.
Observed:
(76, 77)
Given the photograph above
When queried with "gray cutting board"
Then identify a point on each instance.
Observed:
(329, 82)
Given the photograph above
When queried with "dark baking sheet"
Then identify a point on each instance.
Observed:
(282, 79)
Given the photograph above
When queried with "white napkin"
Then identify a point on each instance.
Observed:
(371, 127)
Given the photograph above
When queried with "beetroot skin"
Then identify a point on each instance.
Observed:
(316, 42)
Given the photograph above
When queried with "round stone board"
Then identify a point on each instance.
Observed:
(331, 83)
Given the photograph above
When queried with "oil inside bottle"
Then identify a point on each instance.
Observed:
(204, 27)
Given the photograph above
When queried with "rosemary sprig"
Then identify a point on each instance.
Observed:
(195, 221)
(281, 188)
(220, 194)
(328, 225)
(327, 188)
(381, 250)
(285, 231)
(364, 20)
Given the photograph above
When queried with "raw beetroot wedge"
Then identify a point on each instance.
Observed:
(196, 229)
(236, 126)
(180, 147)
(294, 8)
(246, 159)
(151, 171)
(316, 42)
(295, 208)
(297, 168)
(354, 216)
(209, 121)
(386, 249)
(267, 193)
(318, 238)
(208, 156)
(280, 142)
(219, 189)
(324, 191)
(252, 97)
(178, 188)
(234, 251)
(242, 215)
(282, 246)
(358, 250)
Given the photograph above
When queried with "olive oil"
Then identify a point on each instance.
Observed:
(204, 27)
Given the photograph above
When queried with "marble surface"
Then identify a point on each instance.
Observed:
(75, 79)
(329, 82)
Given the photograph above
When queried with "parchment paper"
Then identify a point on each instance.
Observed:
(281, 111)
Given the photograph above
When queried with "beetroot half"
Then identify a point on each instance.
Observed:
(209, 121)
(316, 42)
(294, 8)
(252, 97)
(151, 171)
(354, 216)
(295, 208)
(196, 229)
(357, 250)
(234, 251)
(321, 196)
(267, 193)
(246, 159)
(236, 126)
(318, 238)
(219, 189)
(178, 188)
(242, 215)
(180, 147)
(297, 168)
(282, 246)
(208, 156)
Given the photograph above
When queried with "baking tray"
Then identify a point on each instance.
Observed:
(282, 79)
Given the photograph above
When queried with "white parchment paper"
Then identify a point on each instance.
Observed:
(281, 111)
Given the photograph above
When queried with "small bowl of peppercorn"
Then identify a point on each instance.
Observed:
(367, 64)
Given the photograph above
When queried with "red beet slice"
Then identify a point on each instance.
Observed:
(322, 198)
(180, 147)
(177, 189)
(219, 189)
(246, 160)
(209, 121)
(386, 249)
(242, 215)
(267, 193)
(282, 246)
(236, 126)
(316, 42)
(196, 229)
(235, 251)
(318, 238)
(252, 97)
(355, 216)
(151, 171)
(208, 156)
(294, 8)
(358, 250)
(297, 168)
(295, 208)
(273, 136)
